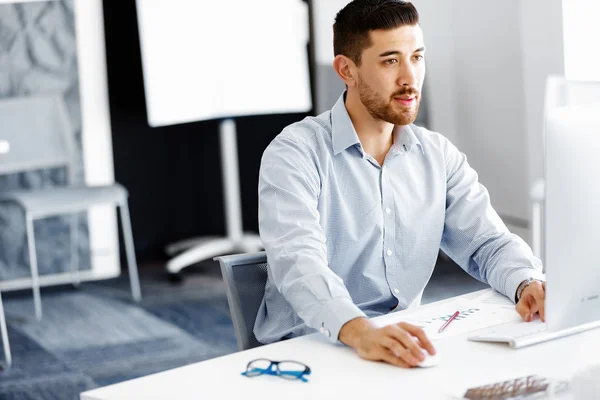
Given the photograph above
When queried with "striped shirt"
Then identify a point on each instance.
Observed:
(346, 237)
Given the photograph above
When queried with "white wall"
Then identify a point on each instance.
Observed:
(581, 34)
(490, 99)
(440, 82)
(542, 45)
(328, 85)
(494, 59)
(324, 12)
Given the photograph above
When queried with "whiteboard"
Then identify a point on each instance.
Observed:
(205, 60)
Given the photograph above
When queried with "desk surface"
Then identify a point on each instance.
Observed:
(337, 372)
(4, 146)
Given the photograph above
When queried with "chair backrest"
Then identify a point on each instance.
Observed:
(245, 277)
(39, 132)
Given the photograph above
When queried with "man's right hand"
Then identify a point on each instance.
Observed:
(400, 344)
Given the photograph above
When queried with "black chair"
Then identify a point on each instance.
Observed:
(245, 276)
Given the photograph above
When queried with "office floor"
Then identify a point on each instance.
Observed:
(94, 336)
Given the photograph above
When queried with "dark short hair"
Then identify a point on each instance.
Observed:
(354, 22)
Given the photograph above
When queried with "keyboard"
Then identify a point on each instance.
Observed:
(521, 334)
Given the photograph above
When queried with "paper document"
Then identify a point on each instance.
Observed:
(481, 312)
(493, 297)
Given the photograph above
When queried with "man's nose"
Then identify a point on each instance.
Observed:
(408, 76)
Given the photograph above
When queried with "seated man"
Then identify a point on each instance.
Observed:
(354, 204)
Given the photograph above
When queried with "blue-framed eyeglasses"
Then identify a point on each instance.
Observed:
(287, 369)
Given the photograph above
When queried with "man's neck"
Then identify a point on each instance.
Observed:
(376, 136)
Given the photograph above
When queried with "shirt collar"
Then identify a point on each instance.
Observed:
(405, 139)
(343, 132)
(344, 135)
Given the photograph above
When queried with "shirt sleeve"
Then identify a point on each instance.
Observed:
(474, 235)
(289, 188)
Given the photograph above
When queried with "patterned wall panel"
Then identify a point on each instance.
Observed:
(38, 56)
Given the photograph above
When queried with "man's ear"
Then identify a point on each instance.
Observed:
(346, 69)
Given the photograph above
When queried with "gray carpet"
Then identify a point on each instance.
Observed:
(95, 336)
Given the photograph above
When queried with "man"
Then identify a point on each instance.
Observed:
(355, 204)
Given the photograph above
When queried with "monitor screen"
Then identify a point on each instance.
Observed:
(572, 215)
(205, 60)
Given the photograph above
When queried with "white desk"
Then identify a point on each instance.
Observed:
(338, 373)
(4, 146)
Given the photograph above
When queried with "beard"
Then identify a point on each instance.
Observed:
(389, 110)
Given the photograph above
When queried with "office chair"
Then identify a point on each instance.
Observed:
(245, 276)
(560, 92)
(41, 136)
(4, 148)
(4, 331)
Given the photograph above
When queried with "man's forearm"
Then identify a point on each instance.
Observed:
(353, 330)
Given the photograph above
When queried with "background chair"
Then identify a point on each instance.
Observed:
(41, 136)
(4, 147)
(560, 92)
(4, 331)
(245, 276)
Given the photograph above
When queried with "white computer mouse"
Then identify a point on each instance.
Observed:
(429, 361)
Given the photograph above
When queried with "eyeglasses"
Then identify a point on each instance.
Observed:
(291, 370)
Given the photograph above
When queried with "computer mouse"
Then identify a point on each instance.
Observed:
(429, 361)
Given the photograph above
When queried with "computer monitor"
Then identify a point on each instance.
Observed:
(572, 230)
(560, 92)
(572, 215)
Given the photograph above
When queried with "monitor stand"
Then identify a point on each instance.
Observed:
(194, 250)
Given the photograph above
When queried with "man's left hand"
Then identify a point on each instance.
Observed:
(533, 301)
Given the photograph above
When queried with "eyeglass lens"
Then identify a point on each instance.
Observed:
(291, 370)
(258, 367)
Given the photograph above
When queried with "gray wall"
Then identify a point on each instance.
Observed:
(38, 55)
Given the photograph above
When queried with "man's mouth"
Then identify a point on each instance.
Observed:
(405, 100)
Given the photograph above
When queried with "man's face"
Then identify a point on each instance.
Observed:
(390, 77)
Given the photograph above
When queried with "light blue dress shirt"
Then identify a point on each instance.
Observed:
(346, 237)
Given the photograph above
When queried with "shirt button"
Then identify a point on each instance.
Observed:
(327, 333)
(322, 330)
(396, 290)
(389, 252)
(388, 210)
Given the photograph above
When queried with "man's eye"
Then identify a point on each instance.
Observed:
(419, 57)
(391, 61)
